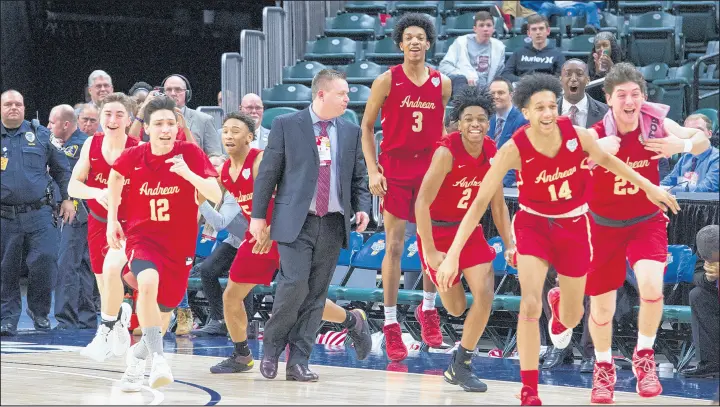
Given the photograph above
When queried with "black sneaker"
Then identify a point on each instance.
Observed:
(360, 334)
(234, 364)
(461, 375)
(8, 330)
(212, 328)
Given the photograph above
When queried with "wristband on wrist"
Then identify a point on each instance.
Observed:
(140, 120)
(688, 146)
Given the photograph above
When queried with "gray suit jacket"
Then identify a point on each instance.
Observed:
(203, 129)
(291, 163)
(596, 110)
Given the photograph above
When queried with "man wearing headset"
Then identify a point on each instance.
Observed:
(201, 124)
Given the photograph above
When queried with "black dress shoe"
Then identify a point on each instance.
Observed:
(41, 323)
(269, 367)
(557, 357)
(8, 330)
(360, 334)
(702, 370)
(300, 373)
(587, 365)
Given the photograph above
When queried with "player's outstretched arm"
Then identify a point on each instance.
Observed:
(439, 167)
(679, 140)
(507, 158)
(655, 193)
(76, 186)
(378, 92)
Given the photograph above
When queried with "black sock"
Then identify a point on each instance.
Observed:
(350, 320)
(463, 355)
(241, 348)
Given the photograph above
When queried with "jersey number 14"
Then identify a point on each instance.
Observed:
(564, 193)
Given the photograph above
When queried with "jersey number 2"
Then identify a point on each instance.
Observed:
(417, 127)
(463, 203)
(158, 210)
(564, 193)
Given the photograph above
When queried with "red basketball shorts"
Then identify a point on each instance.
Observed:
(174, 272)
(249, 268)
(615, 246)
(97, 244)
(563, 242)
(476, 250)
(404, 176)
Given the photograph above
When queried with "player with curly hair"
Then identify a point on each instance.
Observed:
(458, 167)
(413, 97)
(552, 225)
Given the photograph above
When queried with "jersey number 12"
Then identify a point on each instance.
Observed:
(158, 210)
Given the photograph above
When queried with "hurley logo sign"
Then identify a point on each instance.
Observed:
(540, 60)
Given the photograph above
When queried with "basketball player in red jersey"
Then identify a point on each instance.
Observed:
(552, 225)
(254, 263)
(161, 208)
(413, 97)
(636, 234)
(89, 182)
(453, 180)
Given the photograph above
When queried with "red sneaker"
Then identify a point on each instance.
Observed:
(648, 384)
(394, 346)
(604, 378)
(559, 333)
(529, 397)
(429, 326)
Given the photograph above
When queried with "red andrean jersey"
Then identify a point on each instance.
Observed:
(614, 197)
(99, 173)
(412, 116)
(551, 186)
(243, 187)
(462, 183)
(162, 206)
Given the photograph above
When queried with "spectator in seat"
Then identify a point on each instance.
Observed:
(539, 55)
(475, 59)
(705, 307)
(506, 120)
(252, 105)
(569, 8)
(99, 86)
(513, 9)
(139, 91)
(89, 119)
(606, 52)
(695, 173)
(581, 108)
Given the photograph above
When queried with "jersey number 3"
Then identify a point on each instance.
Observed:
(158, 210)
(417, 127)
(564, 193)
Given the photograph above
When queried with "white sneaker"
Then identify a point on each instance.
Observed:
(120, 329)
(101, 347)
(160, 374)
(134, 375)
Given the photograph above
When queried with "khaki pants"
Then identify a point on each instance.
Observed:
(514, 9)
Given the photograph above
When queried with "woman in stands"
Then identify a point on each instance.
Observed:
(606, 52)
(458, 166)
(251, 268)
(552, 225)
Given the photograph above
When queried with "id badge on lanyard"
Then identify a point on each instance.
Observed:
(323, 146)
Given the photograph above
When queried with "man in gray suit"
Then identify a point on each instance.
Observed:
(201, 124)
(583, 110)
(315, 160)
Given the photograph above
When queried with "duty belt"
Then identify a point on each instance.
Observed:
(24, 208)
(614, 223)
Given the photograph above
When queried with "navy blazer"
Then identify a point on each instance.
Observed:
(515, 120)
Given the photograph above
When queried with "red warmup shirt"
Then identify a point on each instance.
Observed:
(243, 187)
(100, 171)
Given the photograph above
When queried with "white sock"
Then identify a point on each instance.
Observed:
(109, 318)
(603, 356)
(390, 315)
(428, 301)
(645, 342)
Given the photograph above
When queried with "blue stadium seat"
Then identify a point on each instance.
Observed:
(384, 51)
(303, 72)
(370, 7)
(358, 95)
(578, 47)
(287, 95)
(464, 23)
(462, 6)
(515, 43)
(680, 265)
(270, 114)
(499, 264)
(346, 255)
(204, 247)
(411, 256)
(639, 7)
(655, 71)
(389, 25)
(363, 72)
(653, 37)
(351, 116)
(700, 23)
(358, 26)
(368, 258)
(441, 48)
(332, 50)
(655, 93)
(418, 6)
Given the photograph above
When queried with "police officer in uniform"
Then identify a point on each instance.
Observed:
(26, 217)
(74, 289)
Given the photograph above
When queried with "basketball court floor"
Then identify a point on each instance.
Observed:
(46, 368)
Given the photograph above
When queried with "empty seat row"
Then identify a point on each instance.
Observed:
(416, 6)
